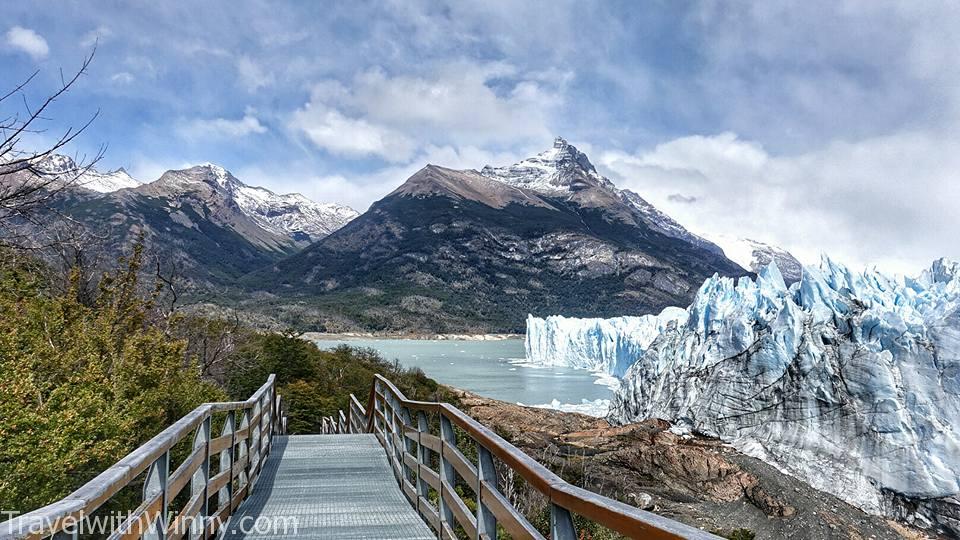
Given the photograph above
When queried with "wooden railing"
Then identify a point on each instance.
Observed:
(243, 444)
(418, 436)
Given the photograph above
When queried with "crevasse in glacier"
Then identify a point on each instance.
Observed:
(850, 381)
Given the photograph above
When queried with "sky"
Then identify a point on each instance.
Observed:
(821, 126)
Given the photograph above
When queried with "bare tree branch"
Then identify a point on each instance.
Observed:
(28, 182)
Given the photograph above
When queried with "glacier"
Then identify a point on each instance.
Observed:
(847, 380)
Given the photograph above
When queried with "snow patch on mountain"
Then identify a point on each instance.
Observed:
(847, 380)
(290, 214)
(755, 256)
(86, 177)
(563, 170)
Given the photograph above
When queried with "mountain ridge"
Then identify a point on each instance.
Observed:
(467, 251)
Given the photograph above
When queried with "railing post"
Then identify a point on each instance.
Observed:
(447, 473)
(424, 456)
(561, 523)
(198, 484)
(243, 480)
(266, 406)
(350, 416)
(486, 474)
(226, 461)
(156, 484)
(408, 445)
(252, 467)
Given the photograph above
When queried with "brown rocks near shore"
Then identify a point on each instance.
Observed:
(696, 480)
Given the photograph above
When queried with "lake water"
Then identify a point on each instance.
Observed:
(495, 369)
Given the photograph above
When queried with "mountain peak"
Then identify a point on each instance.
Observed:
(559, 169)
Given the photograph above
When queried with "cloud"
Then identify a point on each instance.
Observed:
(679, 198)
(460, 104)
(222, 127)
(28, 41)
(331, 130)
(886, 200)
(95, 36)
(252, 76)
(122, 77)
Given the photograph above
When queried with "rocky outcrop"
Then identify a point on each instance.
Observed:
(696, 480)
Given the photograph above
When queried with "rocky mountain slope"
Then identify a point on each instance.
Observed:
(755, 256)
(847, 380)
(694, 479)
(203, 220)
(469, 251)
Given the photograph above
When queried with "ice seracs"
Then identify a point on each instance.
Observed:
(847, 380)
(601, 345)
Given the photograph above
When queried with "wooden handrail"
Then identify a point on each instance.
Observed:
(404, 429)
(241, 451)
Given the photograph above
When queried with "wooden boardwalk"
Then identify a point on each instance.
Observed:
(393, 470)
(327, 486)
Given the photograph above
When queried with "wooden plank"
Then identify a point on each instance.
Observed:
(189, 510)
(220, 443)
(430, 476)
(431, 441)
(184, 472)
(508, 517)
(460, 510)
(139, 520)
(217, 482)
(429, 513)
(623, 518)
(466, 470)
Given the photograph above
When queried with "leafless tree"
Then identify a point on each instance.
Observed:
(26, 186)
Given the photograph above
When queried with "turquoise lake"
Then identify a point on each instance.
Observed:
(496, 369)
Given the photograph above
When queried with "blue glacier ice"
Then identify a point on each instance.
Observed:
(847, 380)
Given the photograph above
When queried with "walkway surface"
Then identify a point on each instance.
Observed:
(334, 486)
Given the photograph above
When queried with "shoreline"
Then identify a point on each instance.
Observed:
(346, 336)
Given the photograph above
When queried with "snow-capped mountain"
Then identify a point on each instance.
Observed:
(293, 215)
(202, 220)
(564, 171)
(755, 256)
(86, 177)
(475, 251)
(849, 381)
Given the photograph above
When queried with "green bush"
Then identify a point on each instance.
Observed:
(315, 383)
(83, 385)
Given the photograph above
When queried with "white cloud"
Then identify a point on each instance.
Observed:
(889, 201)
(222, 127)
(95, 36)
(122, 77)
(28, 41)
(351, 137)
(460, 104)
(252, 76)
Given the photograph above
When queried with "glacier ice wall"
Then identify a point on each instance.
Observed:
(849, 381)
(602, 345)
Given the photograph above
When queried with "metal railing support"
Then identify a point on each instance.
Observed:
(486, 474)
(448, 476)
(226, 459)
(156, 485)
(201, 478)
